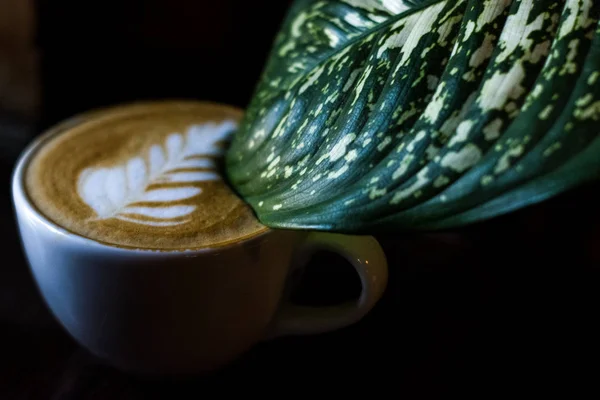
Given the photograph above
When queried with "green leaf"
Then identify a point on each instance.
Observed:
(387, 115)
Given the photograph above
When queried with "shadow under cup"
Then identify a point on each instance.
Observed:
(154, 311)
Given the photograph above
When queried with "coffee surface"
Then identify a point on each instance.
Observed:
(143, 175)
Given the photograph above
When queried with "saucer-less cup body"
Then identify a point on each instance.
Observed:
(183, 311)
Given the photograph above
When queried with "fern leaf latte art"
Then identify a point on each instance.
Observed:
(114, 192)
(144, 176)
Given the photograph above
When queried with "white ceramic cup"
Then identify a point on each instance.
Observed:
(183, 311)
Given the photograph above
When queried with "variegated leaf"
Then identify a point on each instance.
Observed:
(379, 116)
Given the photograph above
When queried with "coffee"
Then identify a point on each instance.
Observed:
(143, 176)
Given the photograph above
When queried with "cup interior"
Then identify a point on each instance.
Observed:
(23, 204)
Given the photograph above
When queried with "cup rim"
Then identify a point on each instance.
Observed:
(21, 199)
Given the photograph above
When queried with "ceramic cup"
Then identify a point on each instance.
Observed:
(184, 311)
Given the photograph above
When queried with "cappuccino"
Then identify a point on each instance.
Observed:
(142, 176)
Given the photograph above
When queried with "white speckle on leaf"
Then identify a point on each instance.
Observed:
(354, 19)
(585, 100)
(391, 7)
(334, 38)
(537, 91)
(318, 110)
(500, 87)
(361, 83)
(287, 171)
(446, 28)
(424, 23)
(421, 181)
(420, 136)
(286, 48)
(440, 181)
(386, 141)
(397, 39)
(552, 149)
(375, 193)
(338, 173)
(546, 111)
(300, 20)
(517, 32)
(578, 17)
(492, 130)
(295, 67)
(260, 133)
(433, 109)
(469, 30)
(333, 97)
(504, 161)
(404, 164)
(487, 179)
(351, 156)
(351, 78)
(463, 159)
(339, 150)
(274, 163)
(462, 132)
(312, 78)
(494, 9)
(590, 112)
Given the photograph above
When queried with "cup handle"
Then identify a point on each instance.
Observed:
(367, 257)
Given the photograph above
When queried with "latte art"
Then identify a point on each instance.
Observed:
(146, 190)
(143, 176)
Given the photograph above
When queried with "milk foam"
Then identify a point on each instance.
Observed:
(143, 176)
(132, 191)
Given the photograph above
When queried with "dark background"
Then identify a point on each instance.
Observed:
(499, 307)
(99, 53)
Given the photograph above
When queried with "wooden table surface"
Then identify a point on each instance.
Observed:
(500, 304)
